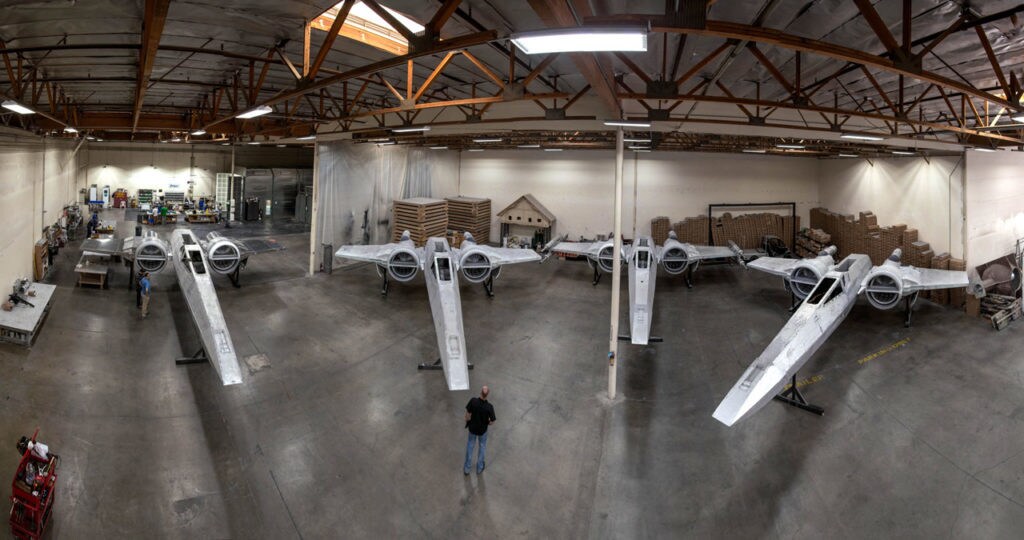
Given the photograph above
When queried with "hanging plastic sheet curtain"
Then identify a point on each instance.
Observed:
(359, 182)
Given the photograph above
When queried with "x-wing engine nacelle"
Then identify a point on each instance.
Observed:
(223, 256)
(151, 255)
(403, 265)
(674, 258)
(808, 272)
(475, 266)
(606, 257)
(884, 289)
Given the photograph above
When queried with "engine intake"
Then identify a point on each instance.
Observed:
(151, 255)
(884, 290)
(606, 258)
(803, 279)
(403, 265)
(674, 260)
(223, 256)
(475, 266)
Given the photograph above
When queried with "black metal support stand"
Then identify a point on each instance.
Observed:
(489, 286)
(198, 358)
(794, 302)
(436, 365)
(597, 276)
(689, 277)
(793, 397)
(234, 277)
(651, 339)
(908, 306)
(384, 283)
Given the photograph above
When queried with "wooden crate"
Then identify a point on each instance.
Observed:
(472, 215)
(422, 217)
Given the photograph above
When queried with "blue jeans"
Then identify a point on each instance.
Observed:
(469, 453)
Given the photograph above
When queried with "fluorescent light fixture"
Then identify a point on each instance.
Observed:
(754, 151)
(627, 123)
(552, 149)
(90, 138)
(258, 111)
(628, 140)
(1015, 118)
(860, 137)
(69, 129)
(848, 155)
(225, 144)
(12, 105)
(486, 140)
(386, 143)
(176, 139)
(254, 143)
(438, 147)
(528, 146)
(903, 153)
(164, 141)
(581, 40)
(199, 132)
(306, 137)
(99, 140)
(282, 146)
(639, 147)
(791, 146)
(475, 150)
(985, 149)
(410, 129)
(379, 139)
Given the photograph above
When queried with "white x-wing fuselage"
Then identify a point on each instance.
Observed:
(824, 308)
(642, 259)
(441, 265)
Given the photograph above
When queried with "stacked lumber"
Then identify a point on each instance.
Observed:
(811, 242)
(472, 215)
(660, 227)
(421, 216)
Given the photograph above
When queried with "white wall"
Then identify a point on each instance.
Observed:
(995, 204)
(577, 186)
(926, 195)
(37, 183)
(170, 167)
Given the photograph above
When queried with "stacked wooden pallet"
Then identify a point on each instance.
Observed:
(660, 227)
(811, 242)
(470, 214)
(421, 216)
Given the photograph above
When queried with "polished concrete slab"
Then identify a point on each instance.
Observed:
(334, 434)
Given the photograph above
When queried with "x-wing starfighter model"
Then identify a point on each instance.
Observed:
(643, 258)
(824, 307)
(440, 263)
(195, 261)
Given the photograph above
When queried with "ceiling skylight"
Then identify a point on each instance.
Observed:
(365, 26)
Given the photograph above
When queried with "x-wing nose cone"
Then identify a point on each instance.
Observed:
(757, 387)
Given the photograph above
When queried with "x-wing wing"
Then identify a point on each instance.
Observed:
(440, 263)
(642, 259)
(824, 307)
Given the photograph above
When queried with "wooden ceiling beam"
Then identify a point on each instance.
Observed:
(154, 17)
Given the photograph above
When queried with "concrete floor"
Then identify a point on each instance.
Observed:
(341, 437)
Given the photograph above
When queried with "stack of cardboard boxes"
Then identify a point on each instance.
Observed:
(746, 230)
(660, 227)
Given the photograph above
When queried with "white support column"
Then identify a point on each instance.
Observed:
(314, 237)
(613, 339)
(231, 187)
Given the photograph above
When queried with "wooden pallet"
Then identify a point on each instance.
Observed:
(422, 217)
(470, 214)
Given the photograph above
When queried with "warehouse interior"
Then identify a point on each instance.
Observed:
(829, 190)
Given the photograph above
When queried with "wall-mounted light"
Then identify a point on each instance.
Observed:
(581, 40)
(258, 111)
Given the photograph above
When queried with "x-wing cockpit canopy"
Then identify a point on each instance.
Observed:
(828, 288)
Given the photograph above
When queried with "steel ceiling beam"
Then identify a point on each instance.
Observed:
(155, 16)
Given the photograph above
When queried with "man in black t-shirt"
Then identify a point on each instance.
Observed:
(479, 415)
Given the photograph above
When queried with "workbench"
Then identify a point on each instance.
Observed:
(21, 325)
(199, 217)
(93, 269)
(158, 219)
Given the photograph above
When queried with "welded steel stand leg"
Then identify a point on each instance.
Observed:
(792, 396)
(597, 276)
(794, 302)
(909, 311)
(434, 366)
(233, 276)
(489, 286)
(198, 358)
(689, 277)
(384, 284)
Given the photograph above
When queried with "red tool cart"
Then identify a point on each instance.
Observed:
(32, 494)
